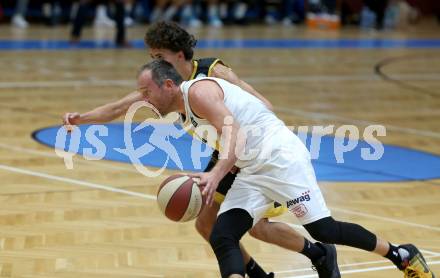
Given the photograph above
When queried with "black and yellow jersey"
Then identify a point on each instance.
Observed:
(203, 67)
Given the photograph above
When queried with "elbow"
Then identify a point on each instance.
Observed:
(269, 105)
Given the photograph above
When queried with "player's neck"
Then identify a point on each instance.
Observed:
(179, 103)
(187, 70)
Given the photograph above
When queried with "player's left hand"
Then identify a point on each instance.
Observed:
(208, 182)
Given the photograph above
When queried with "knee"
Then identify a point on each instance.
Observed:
(203, 227)
(259, 231)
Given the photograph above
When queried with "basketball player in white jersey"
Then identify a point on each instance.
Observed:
(280, 170)
(170, 42)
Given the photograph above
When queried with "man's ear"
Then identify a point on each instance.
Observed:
(181, 55)
(168, 83)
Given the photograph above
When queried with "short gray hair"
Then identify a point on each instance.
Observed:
(161, 70)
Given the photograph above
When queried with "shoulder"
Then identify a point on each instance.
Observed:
(203, 84)
(205, 89)
(223, 72)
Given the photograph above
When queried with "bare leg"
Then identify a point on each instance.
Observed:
(278, 233)
(382, 247)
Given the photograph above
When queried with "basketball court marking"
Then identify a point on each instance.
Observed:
(386, 219)
(76, 182)
(69, 83)
(354, 264)
(346, 120)
(80, 159)
(151, 197)
(299, 227)
(361, 270)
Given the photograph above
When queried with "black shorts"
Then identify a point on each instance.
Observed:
(226, 183)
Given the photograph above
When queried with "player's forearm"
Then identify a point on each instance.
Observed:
(102, 114)
(111, 111)
(245, 86)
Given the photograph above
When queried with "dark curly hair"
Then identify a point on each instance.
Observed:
(169, 35)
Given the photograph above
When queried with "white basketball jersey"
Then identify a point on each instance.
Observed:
(262, 127)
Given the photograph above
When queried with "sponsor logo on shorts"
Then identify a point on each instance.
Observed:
(299, 211)
(305, 197)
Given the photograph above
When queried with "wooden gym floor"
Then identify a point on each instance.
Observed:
(54, 223)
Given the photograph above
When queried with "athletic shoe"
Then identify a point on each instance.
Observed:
(327, 265)
(19, 21)
(413, 264)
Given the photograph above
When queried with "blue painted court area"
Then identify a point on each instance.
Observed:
(396, 163)
(9, 45)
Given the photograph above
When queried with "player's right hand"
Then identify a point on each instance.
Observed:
(71, 119)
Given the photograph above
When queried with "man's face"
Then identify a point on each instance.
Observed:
(159, 97)
(174, 58)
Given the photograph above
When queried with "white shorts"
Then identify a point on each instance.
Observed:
(288, 178)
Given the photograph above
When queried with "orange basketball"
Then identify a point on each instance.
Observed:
(179, 198)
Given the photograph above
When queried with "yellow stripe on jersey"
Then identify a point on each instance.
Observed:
(275, 211)
(212, 66)
(195, 66)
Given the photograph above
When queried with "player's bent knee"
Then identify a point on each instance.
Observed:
(206, 220)
(259, 230)
(202, 229)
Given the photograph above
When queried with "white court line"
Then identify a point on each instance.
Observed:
(340, 78)
(348, 265)
(430, 253)
(387, 219)
(299, 227)
(359, 270)
(76, 182)
(69, 83)
(345, 120)
(81, 159)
